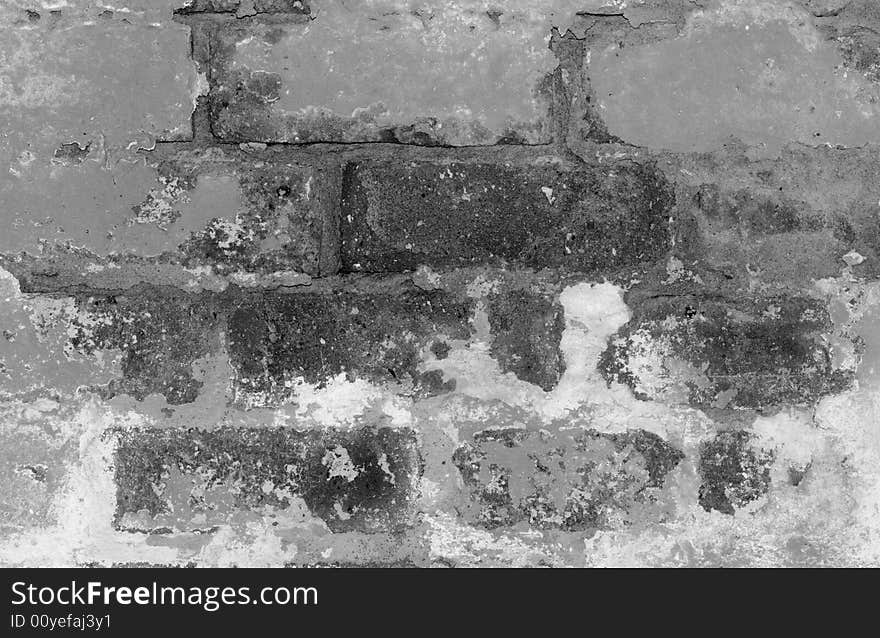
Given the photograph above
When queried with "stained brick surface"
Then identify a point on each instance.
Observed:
(714, 352)
(185, 480)
(357, 73)
(563, 481)
(591, 218)
(441, 283)
(277, 339)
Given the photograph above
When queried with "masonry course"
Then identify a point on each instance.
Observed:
(352, 480)
(399, 283)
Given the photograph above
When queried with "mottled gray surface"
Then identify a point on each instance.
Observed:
(574, 283)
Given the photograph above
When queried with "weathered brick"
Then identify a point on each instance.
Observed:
(780, 221)
(853, 26)
(231, 212)
(79, 95)
(276, 339)
(152, 340)
(160, 334)
(34, 459)
(587, 218)
(784, 237)
(739, 353)
(244, 8)
(387, 336)
(751, 73)
(748, 213)
(459, 75)
(36, 361)
(571, 480)
(105, 81)
(34, 11)
(526, 331)
(733, 471)
(277, 213)
(589, 34)
(353, 480)
(301, 290)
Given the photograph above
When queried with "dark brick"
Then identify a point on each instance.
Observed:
(570, 480)
(381, 332)
(245, 7)
(440, 349)
(195, 479)
(526, 331)
(733, 472)
(660, 457)
(744, 353)
(591, 218)
(276, 338)
(797, 473)
(160, 333)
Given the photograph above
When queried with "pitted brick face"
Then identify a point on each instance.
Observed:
(245, 8)
(279, 340)
(733, 472)
(431, 283)
(735, 353)
(526, 333)
(171, 480)
(572, 481)
(590, 218)
(160, 334)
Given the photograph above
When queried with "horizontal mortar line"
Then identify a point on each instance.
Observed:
(561, 146)
(189, 11)
(331, 284)
(353, 151)
(184, 11)
(232, 14)
(230, 17)
(330, 143)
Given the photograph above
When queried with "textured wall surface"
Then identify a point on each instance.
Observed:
(440, 282)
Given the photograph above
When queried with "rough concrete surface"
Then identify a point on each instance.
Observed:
(440, 283)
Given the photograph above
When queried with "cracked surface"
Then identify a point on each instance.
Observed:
(398, 283)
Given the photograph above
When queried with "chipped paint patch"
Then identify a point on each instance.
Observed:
(750, 69)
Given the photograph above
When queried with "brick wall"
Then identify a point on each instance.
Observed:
(440, 282)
